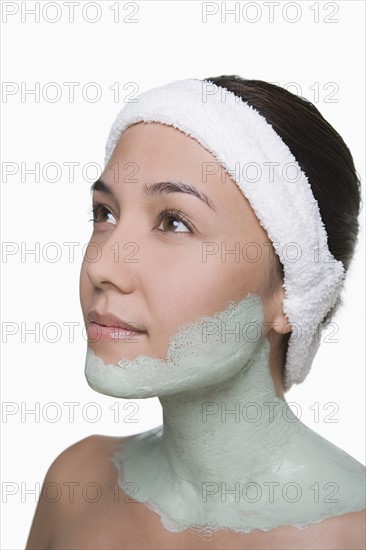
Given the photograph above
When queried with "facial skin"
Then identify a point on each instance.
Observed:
(170, 283)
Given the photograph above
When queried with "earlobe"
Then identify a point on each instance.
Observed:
(281, 324)
(286, 327)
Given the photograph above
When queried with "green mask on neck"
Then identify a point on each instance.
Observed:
(230, 453)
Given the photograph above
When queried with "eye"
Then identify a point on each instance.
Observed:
(174, 216)
(98, 210)
(101, 214)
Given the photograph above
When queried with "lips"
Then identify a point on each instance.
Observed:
(111, 320)
(107, 327)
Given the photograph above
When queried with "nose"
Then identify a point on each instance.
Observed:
(113, 258)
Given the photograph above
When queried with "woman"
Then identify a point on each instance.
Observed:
(217, 314)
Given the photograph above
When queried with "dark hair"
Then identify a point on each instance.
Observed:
(322, 155)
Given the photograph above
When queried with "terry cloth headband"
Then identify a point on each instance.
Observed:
(239, 137)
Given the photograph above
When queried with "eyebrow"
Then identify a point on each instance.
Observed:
(158, 188)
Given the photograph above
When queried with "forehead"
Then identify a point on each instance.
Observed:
(159, 150)
(155, 138)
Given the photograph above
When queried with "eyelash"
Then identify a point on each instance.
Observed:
(98, 207)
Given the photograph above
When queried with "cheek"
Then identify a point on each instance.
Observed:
(84, 284)
(187, 289)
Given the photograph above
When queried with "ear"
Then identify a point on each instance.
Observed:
(280, 322)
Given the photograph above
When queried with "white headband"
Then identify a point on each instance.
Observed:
(240, 138)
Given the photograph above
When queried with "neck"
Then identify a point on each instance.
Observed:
(224, 432)
(216, 444)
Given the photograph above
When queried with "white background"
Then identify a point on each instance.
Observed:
(169, 41)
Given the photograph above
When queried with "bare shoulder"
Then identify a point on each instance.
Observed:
(83, 457)
(344, 532)
(83, 461)
(353, 529)
(83, 464)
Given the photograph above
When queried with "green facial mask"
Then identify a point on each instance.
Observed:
(230, 453)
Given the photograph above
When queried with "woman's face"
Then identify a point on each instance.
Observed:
(155, 271)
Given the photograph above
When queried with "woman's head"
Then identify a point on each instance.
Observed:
(170, 272)
(159, 280)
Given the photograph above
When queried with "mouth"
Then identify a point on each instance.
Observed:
(108, 327)
(102, 333)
